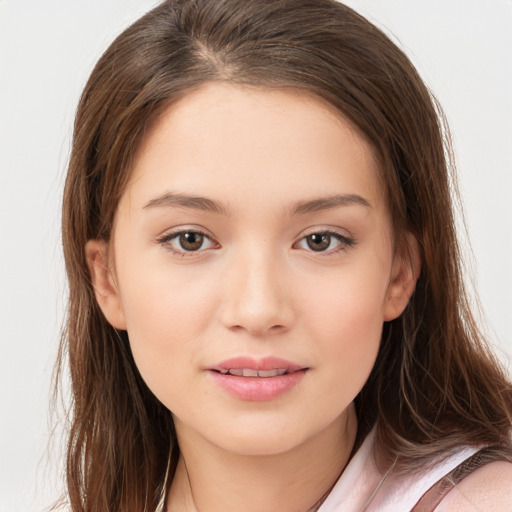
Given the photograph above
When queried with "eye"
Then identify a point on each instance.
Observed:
(187, 241)
(325, 241)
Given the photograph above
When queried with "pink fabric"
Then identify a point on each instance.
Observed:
(361, 487)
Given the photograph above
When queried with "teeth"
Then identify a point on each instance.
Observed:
(271, 373)
(249, 372)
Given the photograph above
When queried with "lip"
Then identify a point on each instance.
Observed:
(267, 363)
(257, 389)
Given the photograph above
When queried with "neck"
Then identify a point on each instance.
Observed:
(209, 478)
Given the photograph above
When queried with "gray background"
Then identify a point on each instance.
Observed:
(47, 49)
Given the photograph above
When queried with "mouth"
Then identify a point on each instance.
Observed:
(251, 372)
(257, 379)
(263, 368)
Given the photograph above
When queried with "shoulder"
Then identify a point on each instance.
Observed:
(488, 488)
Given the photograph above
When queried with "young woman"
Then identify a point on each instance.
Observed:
(266, 309)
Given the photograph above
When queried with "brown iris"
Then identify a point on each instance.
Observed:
(318, 241)
(191, 241)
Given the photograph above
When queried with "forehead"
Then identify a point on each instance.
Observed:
(223, 139)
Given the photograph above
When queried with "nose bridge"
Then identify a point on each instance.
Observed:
(256, 298)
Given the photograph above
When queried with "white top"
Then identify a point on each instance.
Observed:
(362, 487)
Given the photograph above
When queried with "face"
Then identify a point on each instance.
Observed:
(252, 265)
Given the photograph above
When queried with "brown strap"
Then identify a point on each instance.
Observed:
(433, 496)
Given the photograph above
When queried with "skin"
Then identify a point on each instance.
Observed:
(488, 488)
(255, 287)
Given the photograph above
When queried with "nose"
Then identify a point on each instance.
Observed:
(257, 296)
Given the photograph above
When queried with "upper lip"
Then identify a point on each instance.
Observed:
(249, 363)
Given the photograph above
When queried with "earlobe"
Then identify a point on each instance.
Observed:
(405, 273)
(105, 290)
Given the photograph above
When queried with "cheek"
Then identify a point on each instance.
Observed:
(166, 315)
(346, 321)
(351, 333)
(348, 303)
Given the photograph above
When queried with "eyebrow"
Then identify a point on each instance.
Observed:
(170, 199)
(329, 202)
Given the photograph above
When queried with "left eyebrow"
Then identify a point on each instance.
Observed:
(328, 202)
(170, 199)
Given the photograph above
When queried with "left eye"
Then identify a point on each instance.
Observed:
(188, 241)
(324, 242)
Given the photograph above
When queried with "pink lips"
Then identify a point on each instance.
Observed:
(257, 380)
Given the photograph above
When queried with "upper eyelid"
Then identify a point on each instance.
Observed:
(172, 232)
(346, 239)
(343, 233)
(165, 240)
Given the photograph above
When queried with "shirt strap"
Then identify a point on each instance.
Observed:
(433, 496)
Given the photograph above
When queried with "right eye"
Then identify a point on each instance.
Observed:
(325, 242)
(187, 241)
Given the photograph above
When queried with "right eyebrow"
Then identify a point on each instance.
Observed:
(170, 199)
(329, 202)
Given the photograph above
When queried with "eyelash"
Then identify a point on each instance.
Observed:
(166, 240)
(345, 242)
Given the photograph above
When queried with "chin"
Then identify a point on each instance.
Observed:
(267, 435)
(261, 443)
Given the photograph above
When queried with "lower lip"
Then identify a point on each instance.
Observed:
(258, 389)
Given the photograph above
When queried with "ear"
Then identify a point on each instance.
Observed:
(404, 274)
(105, 288)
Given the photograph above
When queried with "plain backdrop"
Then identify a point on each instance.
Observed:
(462, 48)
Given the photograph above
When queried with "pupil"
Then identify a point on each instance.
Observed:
(319, 242)
(191, 241)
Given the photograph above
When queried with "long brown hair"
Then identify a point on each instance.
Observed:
(434, 386)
